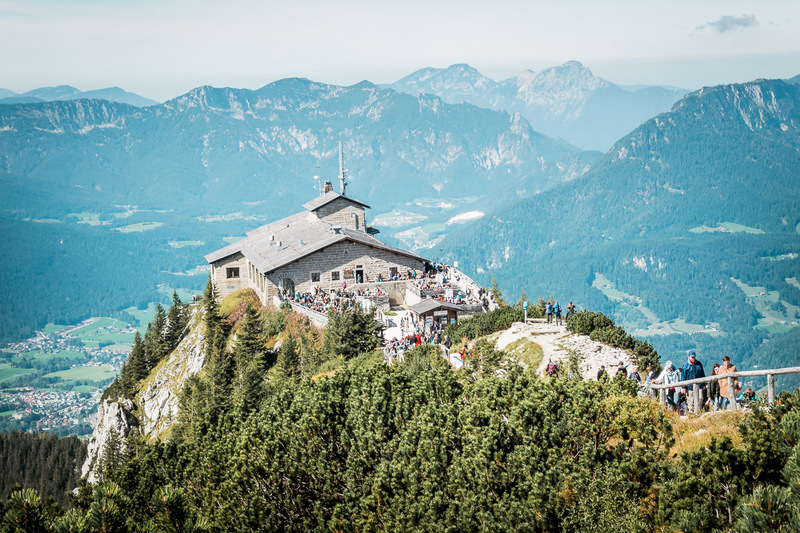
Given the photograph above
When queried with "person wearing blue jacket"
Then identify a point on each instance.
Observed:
(693, 369)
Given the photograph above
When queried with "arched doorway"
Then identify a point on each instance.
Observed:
(286, 285)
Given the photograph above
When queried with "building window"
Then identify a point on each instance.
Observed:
(232, 272)
(315, 277)
(335, 275)
(392, 272)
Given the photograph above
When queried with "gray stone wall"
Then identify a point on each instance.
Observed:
(344, 258)
(219, 274)
(340, 211)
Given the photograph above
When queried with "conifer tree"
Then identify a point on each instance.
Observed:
(289, 359)
(497, 293)
(249, 355)
(154, 342)
(350, 333)
(177, 318)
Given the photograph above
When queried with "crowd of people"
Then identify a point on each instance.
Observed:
(714, 395)
(414, 333)
(323, 301)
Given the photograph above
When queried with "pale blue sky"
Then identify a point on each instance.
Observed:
(163, 48)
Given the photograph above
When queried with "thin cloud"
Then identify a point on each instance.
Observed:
(730, 22)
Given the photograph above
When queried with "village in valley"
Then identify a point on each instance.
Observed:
(53, 381)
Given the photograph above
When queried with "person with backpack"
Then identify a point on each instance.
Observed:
(548, 311)
(557, 312)
(552, 368)
(693, 369)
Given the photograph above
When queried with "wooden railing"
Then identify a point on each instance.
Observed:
(730, 376)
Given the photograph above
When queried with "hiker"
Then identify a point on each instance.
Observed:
(447, 344)
(570, 310)
(634, 374)
(747, 397)
(552, 367)
(601, 372)
(724, 390)
(621, 369)
(713, 390)
(670, 375)
(557, 312)
(693, 369)
(548, 311)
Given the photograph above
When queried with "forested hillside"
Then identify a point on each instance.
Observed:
(334, 438)
(44, 462)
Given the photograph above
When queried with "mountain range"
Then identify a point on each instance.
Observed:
(690, 223)
(565, 101)
(67, 92)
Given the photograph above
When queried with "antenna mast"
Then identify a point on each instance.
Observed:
(318, 184)
(342, 171)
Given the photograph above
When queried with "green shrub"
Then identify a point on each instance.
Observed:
(485, 323)
(585, 322)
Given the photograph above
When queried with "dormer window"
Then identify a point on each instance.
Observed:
(232, 272)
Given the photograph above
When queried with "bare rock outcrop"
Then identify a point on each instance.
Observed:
(155, 408)
(112, 417)
(558, 344)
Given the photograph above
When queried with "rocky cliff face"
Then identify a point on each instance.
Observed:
(155, 408)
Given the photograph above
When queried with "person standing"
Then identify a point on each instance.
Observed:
(548, 310)
(713, 390)
(557, 312)
(693, 369)
(634, 374)
(570, 310)
(447, 344)
(601, 372)
(668, 376)
(724, 390)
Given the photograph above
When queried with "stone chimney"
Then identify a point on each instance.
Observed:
(328, 187)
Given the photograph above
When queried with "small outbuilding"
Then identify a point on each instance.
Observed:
(434, 312)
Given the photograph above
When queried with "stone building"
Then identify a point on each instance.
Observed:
(325, 246)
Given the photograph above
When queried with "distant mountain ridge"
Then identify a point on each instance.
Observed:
(228, 146)
(679, 218)
(67, 92)
(565, 101)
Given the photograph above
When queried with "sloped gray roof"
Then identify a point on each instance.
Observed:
(277, 244)
(429, 304)
(327, 198)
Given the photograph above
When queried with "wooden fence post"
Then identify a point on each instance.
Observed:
(732, 394)
(662, 397)
(771, 388)
(696, 395)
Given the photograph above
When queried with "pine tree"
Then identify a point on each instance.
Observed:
(351, 333)
(154, 343)
(289, 359)
(497, 293)
(177, 318)
(137, 363)
(250, 359)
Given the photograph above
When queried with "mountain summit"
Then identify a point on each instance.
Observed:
(565, 101)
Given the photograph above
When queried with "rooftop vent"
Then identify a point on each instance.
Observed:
(336, 229)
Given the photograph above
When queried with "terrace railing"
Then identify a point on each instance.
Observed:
(730, 376)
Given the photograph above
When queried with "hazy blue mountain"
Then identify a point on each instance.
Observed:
(566, 101)
(795, 79)
(162, 176)
(48, 94)
(224, 147)
(690, 201)
(115, 94)
(67, 92)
